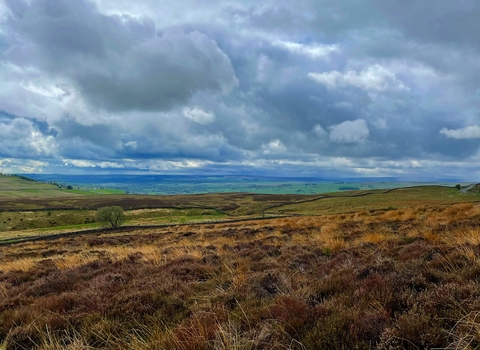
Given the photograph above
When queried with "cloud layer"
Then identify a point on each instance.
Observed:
(314, 88)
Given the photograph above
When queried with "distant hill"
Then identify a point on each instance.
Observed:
(23, 187)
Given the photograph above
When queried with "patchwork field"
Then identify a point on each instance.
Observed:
(29, 217)
(198, 184)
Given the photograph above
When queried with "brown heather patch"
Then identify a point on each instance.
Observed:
(406, 278)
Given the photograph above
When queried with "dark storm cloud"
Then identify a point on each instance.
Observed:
(171, 137)
(354, 87)
(118, 62)
(445, 22)
(97, 141)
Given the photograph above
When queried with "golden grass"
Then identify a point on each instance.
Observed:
(18, 265)
(181, 252)
(463, 236)
(431, 236)
(469, 254)
(331, 233)
(75, 260)
(324, 239)
(150, 253)
(374, 237)
(330, 228)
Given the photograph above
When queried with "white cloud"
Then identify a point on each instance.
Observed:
(52, 91)
(13, 165)
(131, 144)
(21, 138)
(374, 78)
(92, 164)
(312, 51)
(274, 147)
(199, 115)
(319, 131)
(349, 131)
(469, 132)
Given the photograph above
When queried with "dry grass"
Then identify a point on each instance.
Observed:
(356, 280)
(75, 260)
(328, 241)
(466, 332)
(18, 265)
(374, 238)
(463, 236)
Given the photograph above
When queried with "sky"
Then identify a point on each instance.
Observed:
(322, 88)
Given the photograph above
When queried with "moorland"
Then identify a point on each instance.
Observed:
(366, 269)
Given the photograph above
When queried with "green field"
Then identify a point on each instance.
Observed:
(92, 191)
(373, 200)
(18, 224)
(13, 187)
(285, 187)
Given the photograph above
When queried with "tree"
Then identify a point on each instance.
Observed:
(458, 186)
(110, 216)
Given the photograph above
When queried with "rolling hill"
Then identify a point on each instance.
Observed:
(17, 187)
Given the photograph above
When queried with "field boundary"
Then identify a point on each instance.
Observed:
(410, 187)
(320, 198)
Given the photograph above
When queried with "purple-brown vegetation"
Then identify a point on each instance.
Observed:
(402, 279)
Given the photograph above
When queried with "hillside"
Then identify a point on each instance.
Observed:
(14, 187)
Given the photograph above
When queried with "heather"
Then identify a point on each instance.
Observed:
(380, 279)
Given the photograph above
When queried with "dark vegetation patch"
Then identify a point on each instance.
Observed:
(401, 279)
(223, 202)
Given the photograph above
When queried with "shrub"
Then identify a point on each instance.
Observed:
(110, 216)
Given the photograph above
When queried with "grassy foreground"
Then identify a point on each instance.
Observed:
(405, 278)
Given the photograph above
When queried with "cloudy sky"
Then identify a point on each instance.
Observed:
(305, 87)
